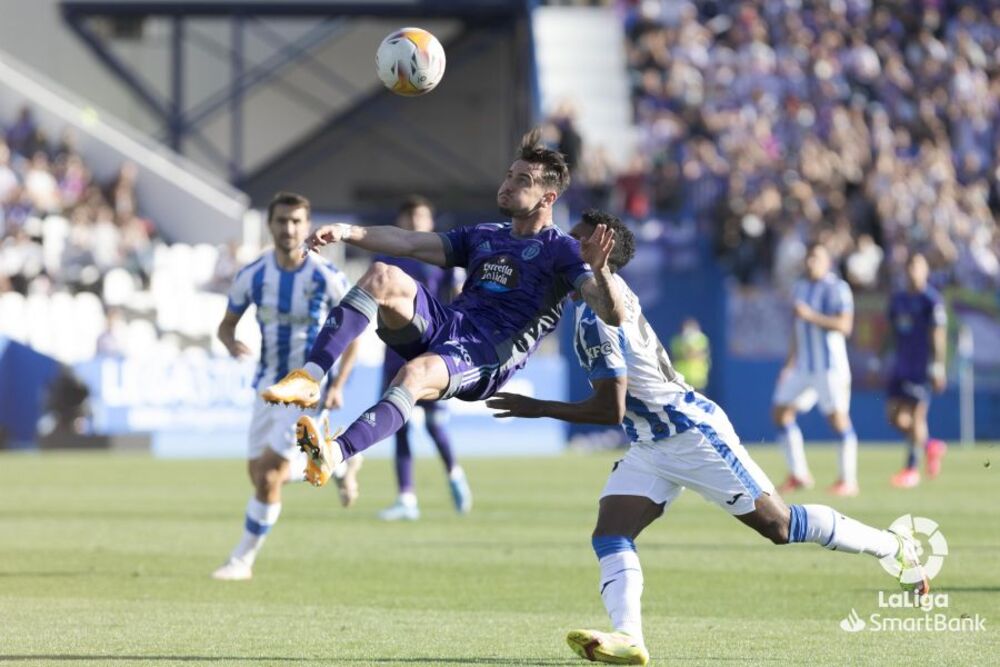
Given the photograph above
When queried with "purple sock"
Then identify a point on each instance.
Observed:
(432, 414)
(404, 460)
(377, 422)
(345, 323)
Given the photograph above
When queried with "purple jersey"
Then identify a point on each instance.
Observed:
(913, 316)
(515, 287)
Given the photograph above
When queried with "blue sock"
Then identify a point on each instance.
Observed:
(377, 422)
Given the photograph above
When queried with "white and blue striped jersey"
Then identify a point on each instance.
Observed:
(291, 308)
(658, 403)
(818, 349)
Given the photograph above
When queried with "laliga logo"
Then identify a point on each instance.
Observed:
(925, 530)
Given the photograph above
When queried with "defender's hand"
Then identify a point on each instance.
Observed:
(804, 312)
(238, 349)
(515, 405)
(596, 248)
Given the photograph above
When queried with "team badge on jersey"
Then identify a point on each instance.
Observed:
(531, 251)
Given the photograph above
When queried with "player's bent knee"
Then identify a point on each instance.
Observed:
(381, 279)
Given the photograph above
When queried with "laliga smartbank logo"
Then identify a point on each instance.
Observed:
(923, 530)
(912, 612)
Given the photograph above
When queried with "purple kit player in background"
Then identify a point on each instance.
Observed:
(519, 275)
(417, 214)
(918, 320)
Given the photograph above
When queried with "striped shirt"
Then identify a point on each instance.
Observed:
(819, 349)
(658, 402)
(291, 309)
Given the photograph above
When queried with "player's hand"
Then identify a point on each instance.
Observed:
(238, 349)
(596, 248)
(324, 235)
(514, 405)
(334, 398)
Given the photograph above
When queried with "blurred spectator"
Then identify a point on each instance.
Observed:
(691, 355)
(112, 341)
(866, 124)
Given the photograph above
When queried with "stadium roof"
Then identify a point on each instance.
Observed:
(426, 8)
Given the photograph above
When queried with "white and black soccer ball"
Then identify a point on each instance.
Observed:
(410, 62)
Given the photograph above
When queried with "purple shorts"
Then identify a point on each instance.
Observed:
(910, 390)
(474, 371)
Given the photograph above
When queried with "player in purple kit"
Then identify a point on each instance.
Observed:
(519, 273)
(417, 214)
(918, 320)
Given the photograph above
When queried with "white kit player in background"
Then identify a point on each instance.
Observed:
(678, 438)
(817, 371)
(293, 296)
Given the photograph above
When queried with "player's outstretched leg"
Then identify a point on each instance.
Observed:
(427, 376)
(458, 484)
(405, 508)
(383, 289)
(825, 526)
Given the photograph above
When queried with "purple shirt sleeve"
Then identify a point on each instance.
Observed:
(568, 263)
(456, 246)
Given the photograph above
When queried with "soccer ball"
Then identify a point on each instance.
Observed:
(410, 62)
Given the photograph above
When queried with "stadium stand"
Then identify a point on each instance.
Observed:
(767, 124)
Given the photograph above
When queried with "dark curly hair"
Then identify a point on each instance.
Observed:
(624, 249)
(555, 172)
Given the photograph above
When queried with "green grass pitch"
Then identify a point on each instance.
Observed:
(105, 560)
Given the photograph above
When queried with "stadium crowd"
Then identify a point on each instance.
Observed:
(872, 126)
(60, 229)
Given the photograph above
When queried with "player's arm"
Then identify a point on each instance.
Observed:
(335, 392)
(227, 334)
(840, 319)
(842, 322)
(600, 292)
(606, 405)
(390, 240)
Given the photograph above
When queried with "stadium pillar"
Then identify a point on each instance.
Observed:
(176, 123)
(236, 103)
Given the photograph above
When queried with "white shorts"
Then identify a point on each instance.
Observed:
(273, 427)
(707, 458)
(802, 389)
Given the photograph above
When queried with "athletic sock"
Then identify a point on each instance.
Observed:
(433, 419)
(259, 519)
(404, 460)
(912, 456)
(847, 458)
(621, 583)
(795, 453)
(377, 422)
(830, 529)
(345, 323)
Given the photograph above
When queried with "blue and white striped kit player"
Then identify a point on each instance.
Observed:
(821, 373)
(291, 309)
(678, 437)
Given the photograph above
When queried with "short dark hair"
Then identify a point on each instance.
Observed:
(555, 171)
(287, 199)
(624, 249)
(414, 202)
(816, 245)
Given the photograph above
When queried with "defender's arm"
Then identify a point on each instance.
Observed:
(606, 405)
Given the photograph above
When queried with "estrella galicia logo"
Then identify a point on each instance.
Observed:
(531, 251)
